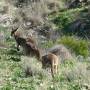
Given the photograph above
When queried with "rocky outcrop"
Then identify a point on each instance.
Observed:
(61, 51)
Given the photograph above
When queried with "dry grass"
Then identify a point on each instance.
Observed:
(36, 11)
(33, 65)
(72, 75)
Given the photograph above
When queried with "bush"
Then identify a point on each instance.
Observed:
(8, 86)
(32, 67)
(79, 46)
(64, 19)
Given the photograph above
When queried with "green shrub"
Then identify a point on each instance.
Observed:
(64, 19)
(2, 28)
(8, 86)
(14, 58)
(79, 46)
(17, 72)
(13, 51)
(74, 86)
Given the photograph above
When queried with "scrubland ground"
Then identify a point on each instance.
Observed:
(72, 25)
(72, 74)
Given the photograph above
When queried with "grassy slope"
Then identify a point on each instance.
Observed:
(72, 74)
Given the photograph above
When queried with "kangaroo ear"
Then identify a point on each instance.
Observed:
(13, 31)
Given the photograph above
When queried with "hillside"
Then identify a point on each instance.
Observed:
(54, 25)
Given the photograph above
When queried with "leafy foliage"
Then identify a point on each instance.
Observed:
(64, 19)
(79, 46)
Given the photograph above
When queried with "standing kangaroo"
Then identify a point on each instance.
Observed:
(27, 44)
(50, 60)
(19, 40)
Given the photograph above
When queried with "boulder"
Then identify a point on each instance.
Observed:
(61, 51)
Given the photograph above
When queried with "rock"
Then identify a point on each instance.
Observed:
(61, 51)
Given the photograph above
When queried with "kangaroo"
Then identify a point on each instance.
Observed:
(27, 44)
(32, 50)
(50, 60)
(19, 40)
